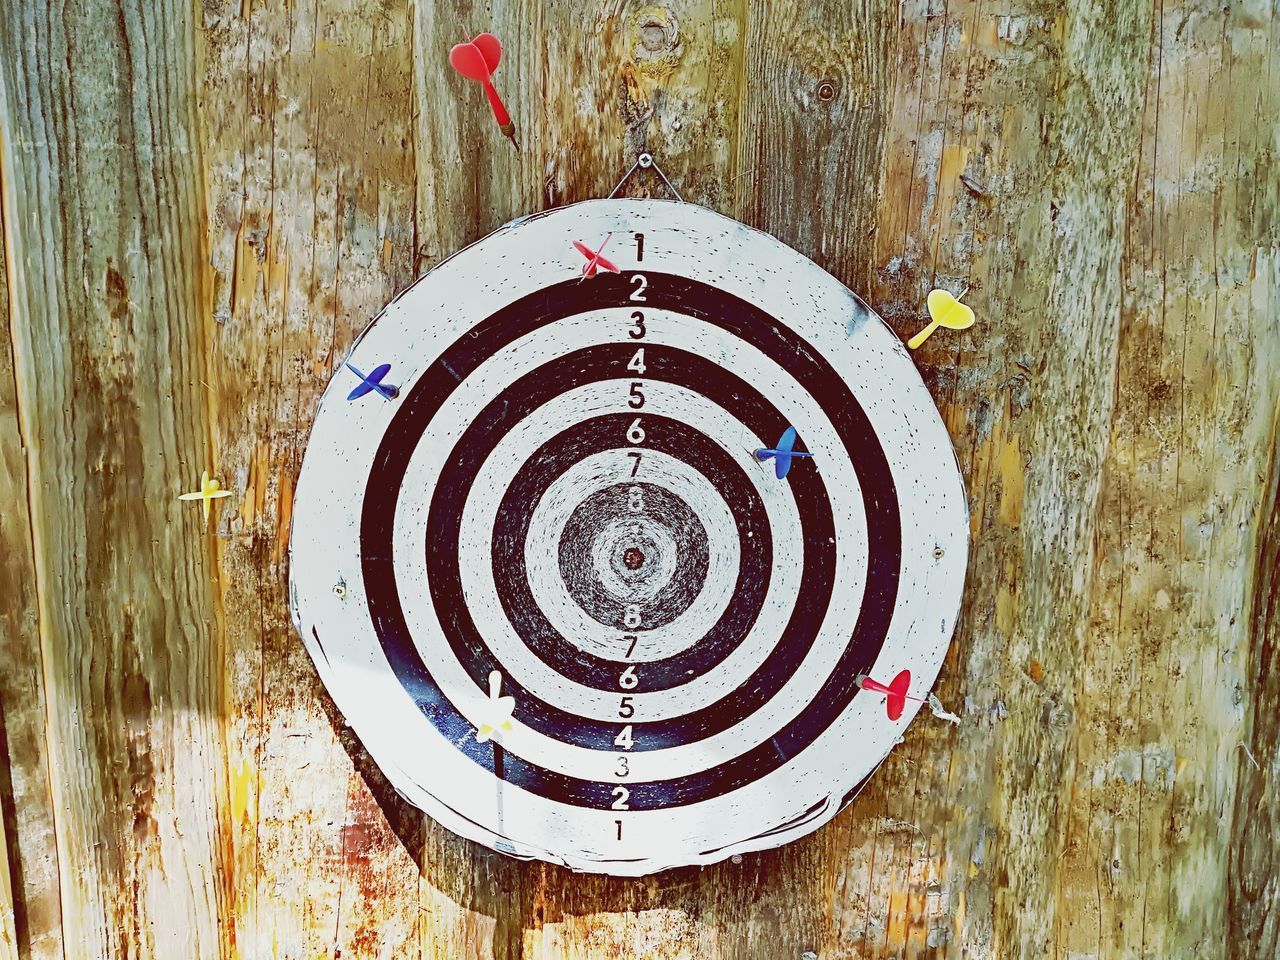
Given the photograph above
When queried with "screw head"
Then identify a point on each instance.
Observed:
(646, 160)
(340, 589)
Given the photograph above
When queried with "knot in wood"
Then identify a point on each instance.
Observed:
(657, 36)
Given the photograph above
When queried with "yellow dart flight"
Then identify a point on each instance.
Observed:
(945, 310)
(209, 490)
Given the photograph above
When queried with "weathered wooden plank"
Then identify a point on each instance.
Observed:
(1253, 926)
(29, 914)
(102, 217)
(812, 127)
(470, 178)
(1159, 744)
(1009, 100)
(310, 176)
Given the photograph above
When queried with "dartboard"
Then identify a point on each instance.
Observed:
(603, 521)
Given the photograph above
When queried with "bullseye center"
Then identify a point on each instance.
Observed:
(633, 557)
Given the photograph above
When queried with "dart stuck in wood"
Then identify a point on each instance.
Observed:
(945, 310)
(209, 491)
(477, 60)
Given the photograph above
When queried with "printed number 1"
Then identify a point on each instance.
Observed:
(639, 247)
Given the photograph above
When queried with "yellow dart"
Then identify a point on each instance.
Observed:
(944, 311)
(209, 490)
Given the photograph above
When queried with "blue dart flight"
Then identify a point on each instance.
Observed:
(782, 454)
(373, 382)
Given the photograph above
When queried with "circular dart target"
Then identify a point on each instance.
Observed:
(602, 523)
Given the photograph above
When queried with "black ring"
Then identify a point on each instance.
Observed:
(444, 523)
(741, 319)
(660, 507)
(755, 547)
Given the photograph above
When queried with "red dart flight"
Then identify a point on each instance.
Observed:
(476, 61)
(896, 695)
(595, 261)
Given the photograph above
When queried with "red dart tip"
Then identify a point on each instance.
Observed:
(866, 683)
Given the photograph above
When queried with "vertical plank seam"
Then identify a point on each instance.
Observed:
(28, 448)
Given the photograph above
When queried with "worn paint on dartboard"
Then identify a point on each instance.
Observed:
(645, 759)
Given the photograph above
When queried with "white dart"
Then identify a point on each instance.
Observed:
(497, 710)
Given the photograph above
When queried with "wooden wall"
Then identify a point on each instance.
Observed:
(203, 203)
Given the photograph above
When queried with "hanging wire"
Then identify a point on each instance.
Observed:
(645, 162)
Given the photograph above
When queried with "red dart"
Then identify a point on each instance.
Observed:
(896, 695)
(594, 259)
(476, 61)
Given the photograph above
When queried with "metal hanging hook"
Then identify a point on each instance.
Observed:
(645, 162)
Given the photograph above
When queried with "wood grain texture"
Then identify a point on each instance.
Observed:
(308, 152)
(104, 238)
(203, 205)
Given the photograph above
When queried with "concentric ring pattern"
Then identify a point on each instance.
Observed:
(565, 492)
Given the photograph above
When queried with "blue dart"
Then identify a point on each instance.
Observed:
(373, 382)
(782, 454)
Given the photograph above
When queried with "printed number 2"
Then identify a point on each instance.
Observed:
(642, 284)
(620, 797)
